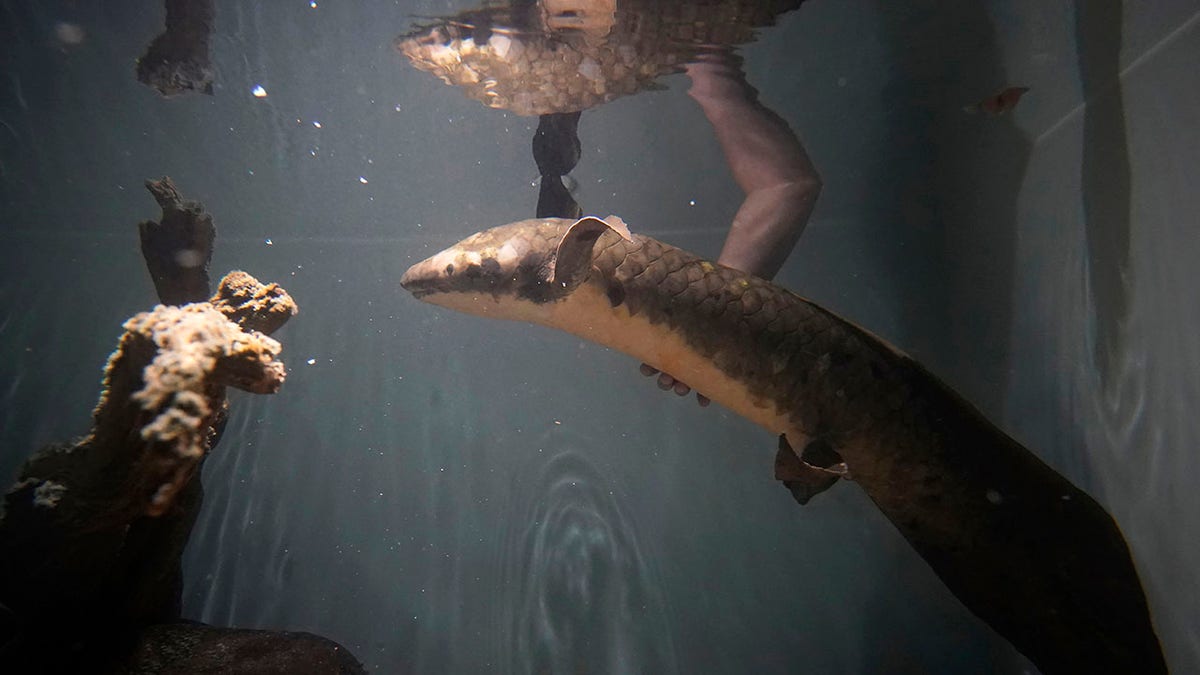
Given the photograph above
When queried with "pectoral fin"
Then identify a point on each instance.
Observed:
(573, 257)
(811, 474)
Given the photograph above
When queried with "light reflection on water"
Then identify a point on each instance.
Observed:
(579, 593)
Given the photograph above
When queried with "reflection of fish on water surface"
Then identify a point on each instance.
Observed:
(559, 56)
(1018, 544)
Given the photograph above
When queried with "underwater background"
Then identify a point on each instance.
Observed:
(440, 493)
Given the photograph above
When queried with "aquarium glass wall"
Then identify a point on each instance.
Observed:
(998, 196)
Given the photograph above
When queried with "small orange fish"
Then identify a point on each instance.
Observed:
(999, 103)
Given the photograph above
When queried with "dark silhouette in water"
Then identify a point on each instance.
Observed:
(1105, 177)
(178, 60)
(556, 150)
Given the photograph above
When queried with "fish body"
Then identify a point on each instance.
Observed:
(1022, 547)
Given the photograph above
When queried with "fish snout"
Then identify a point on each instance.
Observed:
(422, 278)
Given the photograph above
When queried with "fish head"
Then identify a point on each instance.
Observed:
(512, 270)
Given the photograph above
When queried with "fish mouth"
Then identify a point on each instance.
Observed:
(422, 278)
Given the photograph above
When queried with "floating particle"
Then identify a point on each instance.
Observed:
(362, 179)
(691, 202)
(313, 4)
(269, 242)
(311, 362)
(316, 124)
(258, 91)
(69, 33)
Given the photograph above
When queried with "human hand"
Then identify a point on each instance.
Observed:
(668, 383)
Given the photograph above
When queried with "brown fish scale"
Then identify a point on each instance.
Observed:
(1022, 547)
(749, 329)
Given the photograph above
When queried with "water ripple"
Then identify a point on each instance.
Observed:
(580, 595)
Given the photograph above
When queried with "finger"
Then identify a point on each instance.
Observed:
(648, 370)
(681, 389)
(665, 381)
(702, 400)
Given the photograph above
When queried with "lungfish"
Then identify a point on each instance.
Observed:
(1025, 550)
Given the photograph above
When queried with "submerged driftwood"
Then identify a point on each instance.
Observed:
(178, 60)
(92, 533)
(178, 248)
